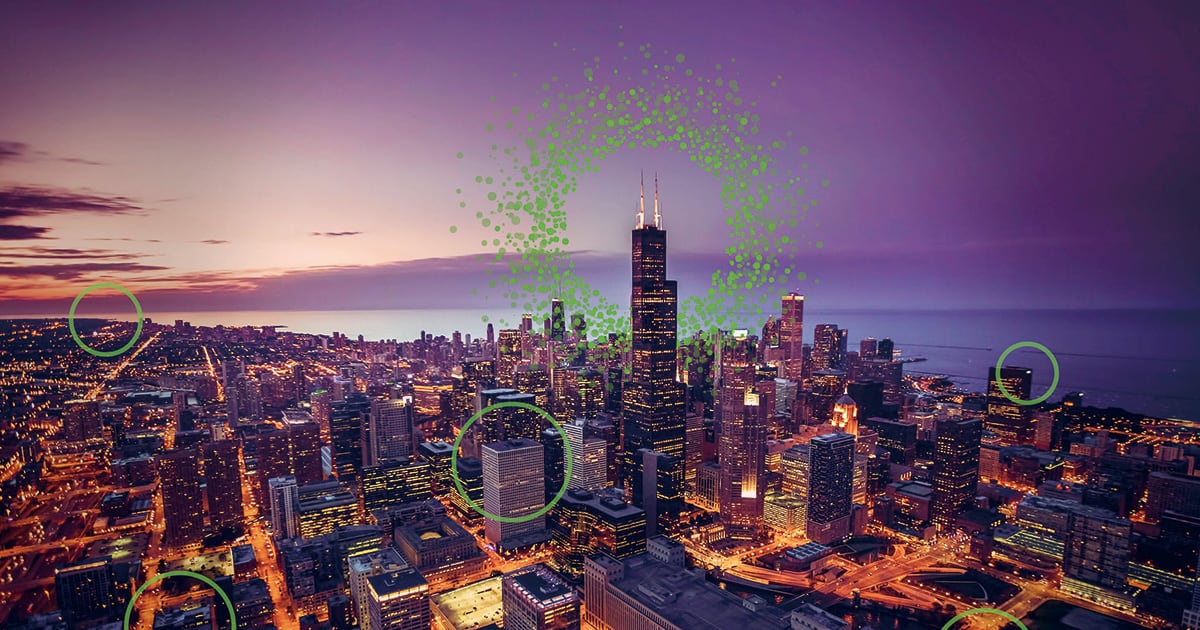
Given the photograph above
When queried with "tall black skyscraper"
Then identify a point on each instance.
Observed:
(1011, 421)
(955, 469)
(558, 320)
(653, 402)
(831, 487)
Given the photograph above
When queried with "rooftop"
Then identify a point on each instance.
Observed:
(541, 586)
(510, 445)
(474, 606)
(688, 600)
(395, 581)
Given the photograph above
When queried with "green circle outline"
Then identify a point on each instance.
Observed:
(1045, 351)
(976, 611)
(75, 334)
(566, 457)
(180, 573)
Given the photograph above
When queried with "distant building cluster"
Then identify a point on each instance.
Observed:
(690, 480)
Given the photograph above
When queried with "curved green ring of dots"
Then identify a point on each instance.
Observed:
(677, 108)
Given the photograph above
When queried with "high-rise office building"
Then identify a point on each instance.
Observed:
(1096, 556)
(272, 455)
(284, 497)
(348, 427)
(470, 475)
(89, 593)
(223, 484)
(796, 466)
(395, 481)
(361, 567)
(694, 451)
(589, 461)
(831, 479)
(791, 335)
(886, 349)
(659, 491)
(955, 468)
(558, 321)
(586, 522)
(304, 442)
(508, 356)
(535, 598)
(392, 425)
(829, 347)
(520, 422)
(513, 486)
(868, 348)
(325, 506)
(398, 600)
(554, 462)
(1012, 422)
(742, 452)
(183, 500)
(653, 401)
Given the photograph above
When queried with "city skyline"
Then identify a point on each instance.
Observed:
(920, 354)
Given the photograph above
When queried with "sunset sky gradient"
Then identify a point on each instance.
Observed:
(301, 155)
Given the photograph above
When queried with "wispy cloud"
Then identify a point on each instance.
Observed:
(335, 233)
(22, 232)
(212, 241)
(12, 151)
(65, 253)
(73, 271)
(30, 201)
(124, 239)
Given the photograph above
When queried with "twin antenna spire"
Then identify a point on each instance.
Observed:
(641, 215)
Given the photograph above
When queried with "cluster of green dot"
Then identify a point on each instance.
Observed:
(668, 104)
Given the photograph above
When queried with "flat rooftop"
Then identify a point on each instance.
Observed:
(688, 600)
(511, 445)
(472, 607)
(539, 586)
(394, 581)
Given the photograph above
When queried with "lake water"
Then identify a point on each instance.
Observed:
(1146, 361)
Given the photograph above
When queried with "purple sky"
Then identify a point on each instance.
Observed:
(243, 155)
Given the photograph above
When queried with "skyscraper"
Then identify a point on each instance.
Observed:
(658, 490)
(558, 321)
(223, 482)
(955, 468)
(284, 497)
(398, 600)
(886, 349)
(589, 463)
(88, 592)
(653, 402)
(742, 454)
(183, 501)
(791, 337)
(394, 481)
(829, 347)
(535, 598)
(508, 356)
(1096, 556)
(831, 486)
(348, 427)
(1007, 419)
(304, 444)
(391, 429)
(513, 486)
(363, 566)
